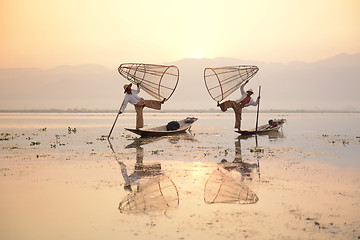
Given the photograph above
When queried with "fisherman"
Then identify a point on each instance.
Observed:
(244, 101)
(139, 103)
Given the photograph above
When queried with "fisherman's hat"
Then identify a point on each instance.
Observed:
(127, 86)
(250, 90)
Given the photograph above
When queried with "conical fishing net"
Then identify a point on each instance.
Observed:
(159, 81)
(221, 187)
(221, 82)
(157, 194)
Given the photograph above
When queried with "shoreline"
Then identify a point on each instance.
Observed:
(171, 111)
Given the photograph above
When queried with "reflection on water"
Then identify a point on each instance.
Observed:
(225, 187)
(244, 168)
(150, 190)
(226, 184)
(155, 194)
(74, 191)
(141, 170)
(271, 135)
(171, 139)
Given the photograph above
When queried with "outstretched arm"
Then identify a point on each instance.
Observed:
(123, 105)
(242, 87)
(138, 87)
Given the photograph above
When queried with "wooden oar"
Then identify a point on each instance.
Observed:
(257, 114)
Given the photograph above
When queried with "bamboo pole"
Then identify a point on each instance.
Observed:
(257, 113)
(115, 120)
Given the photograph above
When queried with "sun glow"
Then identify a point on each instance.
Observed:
(197, 56)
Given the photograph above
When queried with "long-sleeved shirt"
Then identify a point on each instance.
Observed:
(132, 98)
(128, 178)
(243, 96)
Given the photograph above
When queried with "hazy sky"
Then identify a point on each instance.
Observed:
(48, 33)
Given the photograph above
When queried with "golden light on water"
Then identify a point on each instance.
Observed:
(198, 171)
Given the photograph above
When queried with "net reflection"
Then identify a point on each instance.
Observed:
(223, 187)
(156, 194)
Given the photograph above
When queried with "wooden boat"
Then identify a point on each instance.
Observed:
(185, 125)
(271, 126)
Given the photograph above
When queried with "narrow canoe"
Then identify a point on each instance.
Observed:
(264, 129)
(185, 125)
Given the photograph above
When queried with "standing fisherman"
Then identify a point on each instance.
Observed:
(139, 103)
(244, 101)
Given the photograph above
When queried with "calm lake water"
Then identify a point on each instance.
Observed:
(61, 179)
(335, 135)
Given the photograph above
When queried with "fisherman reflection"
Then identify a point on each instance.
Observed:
(244, 168)
(150, 190)
(141, 170)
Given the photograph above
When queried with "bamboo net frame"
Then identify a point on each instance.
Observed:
(159, 81)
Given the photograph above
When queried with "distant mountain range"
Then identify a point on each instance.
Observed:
(330, 84)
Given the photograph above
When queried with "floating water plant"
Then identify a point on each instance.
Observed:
(70, 130)
(5, 137)
(102, 138)
(226, 151)
(156, 151)
(257, 149)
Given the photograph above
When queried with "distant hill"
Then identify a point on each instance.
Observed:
(329, 84)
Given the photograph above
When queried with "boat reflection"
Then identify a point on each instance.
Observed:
(150, 190)
(271, 135)
(227, 183)
(172, 139)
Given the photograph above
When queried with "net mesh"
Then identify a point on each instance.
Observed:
(156, 194)
(159, 81)
(221, 82)
(223, 188)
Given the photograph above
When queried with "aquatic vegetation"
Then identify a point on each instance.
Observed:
(4, 170)
(57, 141)
(5, 137)
(71, 130)
(226, 152)
(102, 138)
(257, 149)
(154, 152)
